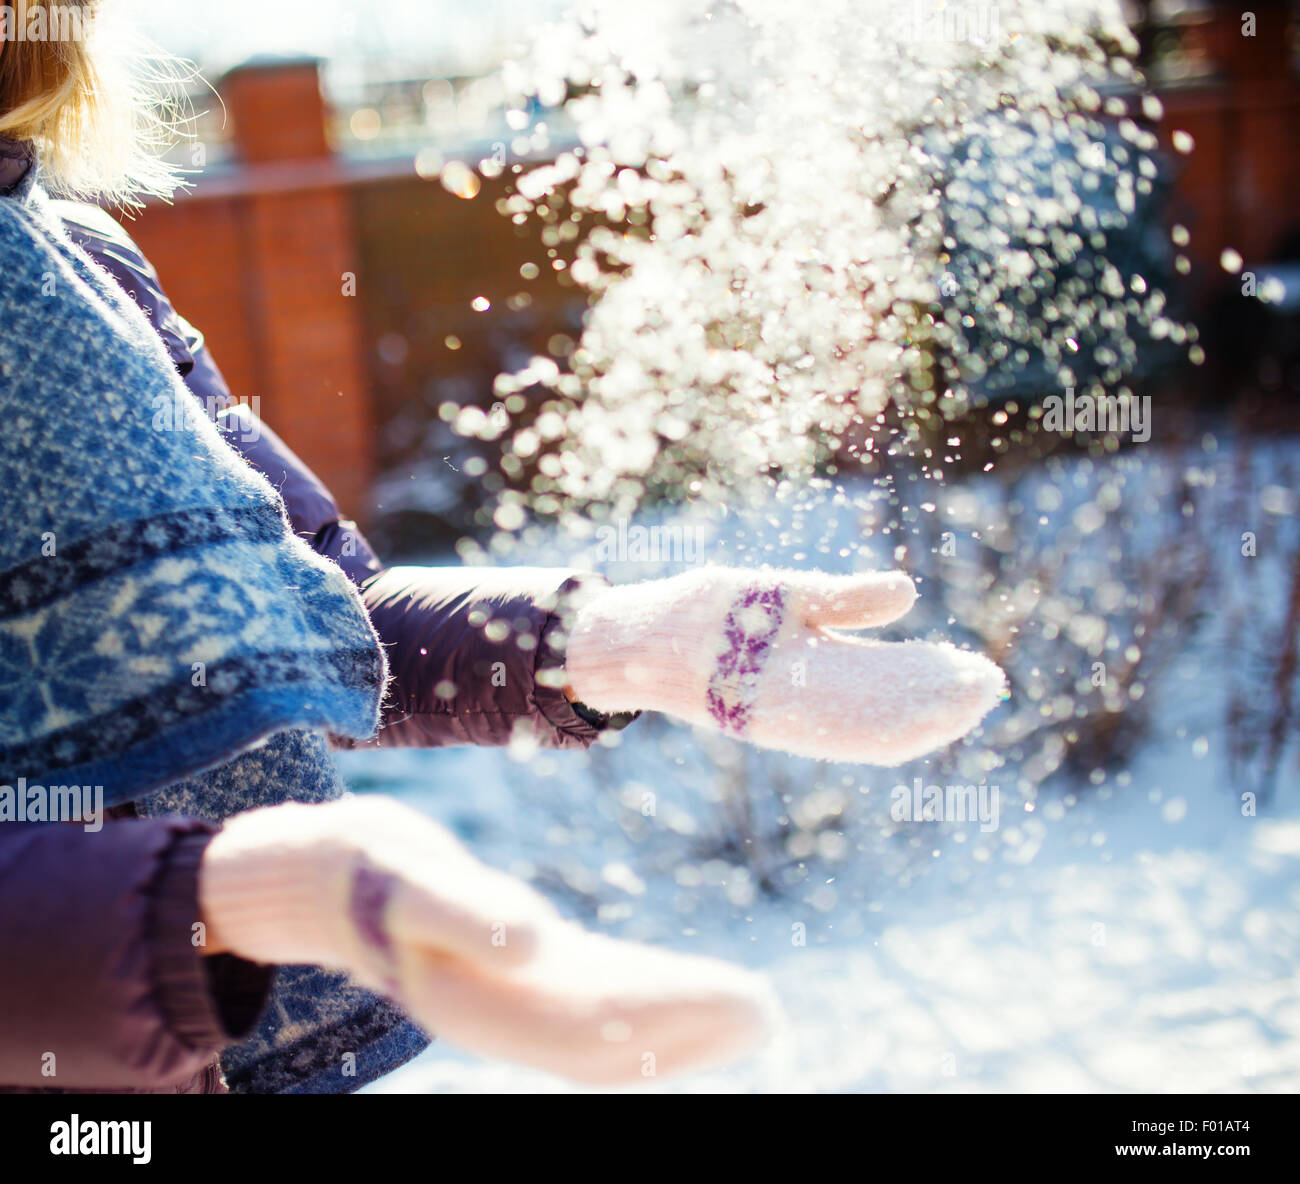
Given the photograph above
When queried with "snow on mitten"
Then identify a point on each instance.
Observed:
(371, 887)
(756, 654)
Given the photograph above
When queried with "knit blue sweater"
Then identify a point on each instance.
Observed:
(163, 634)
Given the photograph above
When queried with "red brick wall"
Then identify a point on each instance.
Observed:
(1240, 187)
(276, 113)
(427, 256)
(257, 262)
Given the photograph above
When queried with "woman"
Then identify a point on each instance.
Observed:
(186, 623)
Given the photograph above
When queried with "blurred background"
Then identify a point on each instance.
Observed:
(323, 154)
(1134, 922)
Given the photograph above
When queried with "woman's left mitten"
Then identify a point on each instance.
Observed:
(760, 655)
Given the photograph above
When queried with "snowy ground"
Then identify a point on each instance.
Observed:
(1142, 934)
(1151, 943)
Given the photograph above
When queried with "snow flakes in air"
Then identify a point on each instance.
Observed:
(790, 217)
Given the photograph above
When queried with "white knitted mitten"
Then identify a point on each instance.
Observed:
(368, 886)
(753, 654)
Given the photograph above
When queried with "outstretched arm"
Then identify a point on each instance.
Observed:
(475, 654)
(104, 986)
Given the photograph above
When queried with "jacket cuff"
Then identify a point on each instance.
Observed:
(208, 1002)
(567, 715)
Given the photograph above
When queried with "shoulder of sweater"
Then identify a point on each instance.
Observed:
(40, 261)
(46, 280)
(28, 243)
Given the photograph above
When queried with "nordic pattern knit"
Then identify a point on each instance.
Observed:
(160, 625)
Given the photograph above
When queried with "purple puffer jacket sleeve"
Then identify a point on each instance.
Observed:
(474, 652)
(102, 986)
(474, 656)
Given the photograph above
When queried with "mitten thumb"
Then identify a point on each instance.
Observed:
(850, 602)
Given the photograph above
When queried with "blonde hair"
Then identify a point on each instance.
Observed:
(100, 106)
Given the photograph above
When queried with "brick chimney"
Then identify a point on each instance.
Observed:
(300, 274)
(277, 110)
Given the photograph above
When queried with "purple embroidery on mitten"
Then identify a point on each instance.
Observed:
(748, 632)
(371, 892)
